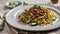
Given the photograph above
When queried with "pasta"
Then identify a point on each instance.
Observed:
(38, 15)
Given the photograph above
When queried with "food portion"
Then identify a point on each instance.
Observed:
(15, 3)
(38, 15)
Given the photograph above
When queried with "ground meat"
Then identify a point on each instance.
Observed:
(38, 12)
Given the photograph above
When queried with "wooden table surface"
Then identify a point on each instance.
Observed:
(7, 30)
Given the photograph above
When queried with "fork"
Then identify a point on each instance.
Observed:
(2, 21)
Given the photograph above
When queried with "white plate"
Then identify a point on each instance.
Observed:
(13, 14)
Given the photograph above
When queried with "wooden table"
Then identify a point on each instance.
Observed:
(7, 30)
